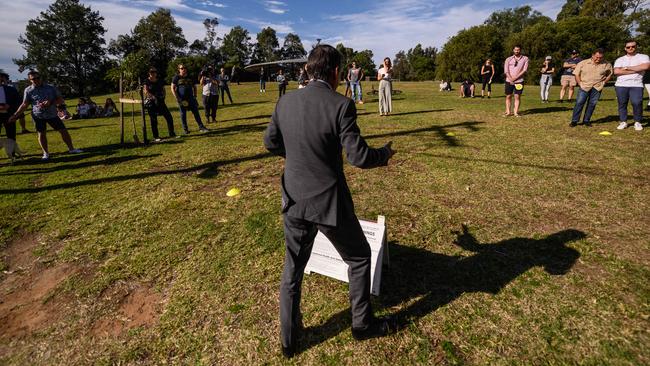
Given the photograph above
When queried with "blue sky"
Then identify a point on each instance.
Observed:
(383, 27)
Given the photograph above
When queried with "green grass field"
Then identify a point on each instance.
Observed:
(512, 241)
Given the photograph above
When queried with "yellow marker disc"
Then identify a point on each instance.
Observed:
(519, 86)
(451, 134)
(605, 133)
(233, 192)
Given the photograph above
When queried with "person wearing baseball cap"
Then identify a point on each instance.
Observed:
(568, 80)
(546, 79)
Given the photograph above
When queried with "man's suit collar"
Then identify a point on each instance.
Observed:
(319, 84)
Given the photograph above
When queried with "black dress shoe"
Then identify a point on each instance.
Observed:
(378, 327)
(572, 124)
(587, 124)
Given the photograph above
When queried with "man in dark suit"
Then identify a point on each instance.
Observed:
(309, 128)
(9, 102)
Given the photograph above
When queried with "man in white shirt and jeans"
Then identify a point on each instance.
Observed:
(629, 70)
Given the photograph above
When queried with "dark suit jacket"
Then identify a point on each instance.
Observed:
(309, 128)
(13, 98)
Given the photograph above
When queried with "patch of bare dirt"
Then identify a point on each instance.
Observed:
(27, 301)
(140, 306)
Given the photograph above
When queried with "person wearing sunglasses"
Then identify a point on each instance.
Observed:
(44, 98)
(629, 70)
(184, 91)
(515, 67)
(591, 74)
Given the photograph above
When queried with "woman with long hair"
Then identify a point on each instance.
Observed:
(487, 73)
(385, 77)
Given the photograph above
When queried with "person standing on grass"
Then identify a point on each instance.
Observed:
(355, 75)
(568, 80)
(591, 75)
(309, 128)
(44, 98)
(234, 74)
(385, 77)
(9, 103)
(515, 67)
(184, 91)
(487, 73)
(546, 79)
(646, 82)
(282, 83)
(210, 93)
(4, 80)
(154, 91)
(224, 79)
(262, 81)
(629, 71)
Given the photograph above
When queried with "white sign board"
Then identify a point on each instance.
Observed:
(327, 261)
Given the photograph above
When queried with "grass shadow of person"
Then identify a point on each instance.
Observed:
(438, 279)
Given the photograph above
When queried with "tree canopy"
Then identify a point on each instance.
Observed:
(65, 43)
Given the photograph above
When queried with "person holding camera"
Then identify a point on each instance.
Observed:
(210, 92)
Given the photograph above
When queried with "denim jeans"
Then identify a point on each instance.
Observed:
(356, 91)
(545, 85)
(591, 98)
(193, 106)
(635, 95)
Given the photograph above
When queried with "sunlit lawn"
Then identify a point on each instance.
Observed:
(512, 240)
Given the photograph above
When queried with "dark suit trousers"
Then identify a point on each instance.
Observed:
(10, 128)
(349, 241)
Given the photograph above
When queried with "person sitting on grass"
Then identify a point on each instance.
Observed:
(467, 89)
(109, 108)
(83, 109)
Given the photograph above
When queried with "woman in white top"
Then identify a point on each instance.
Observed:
(384, 75)
(210, 92)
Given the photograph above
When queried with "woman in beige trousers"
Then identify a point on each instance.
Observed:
(384, 75)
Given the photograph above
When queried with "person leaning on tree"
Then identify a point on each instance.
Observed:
(591, 75)
(44, 98)
(154, 91)
(309, 129)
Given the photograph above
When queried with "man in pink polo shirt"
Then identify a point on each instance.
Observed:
(515, 67)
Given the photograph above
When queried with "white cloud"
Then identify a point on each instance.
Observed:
(281, 28)
(275, 7)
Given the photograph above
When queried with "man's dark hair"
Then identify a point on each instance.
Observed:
(33, 73)
(322, 62)
(632, 41)
(600, 50)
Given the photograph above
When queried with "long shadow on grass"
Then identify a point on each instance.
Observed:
(420, 112)
(265, 116)
(104, 162)
(547, 110)
(202, 170)
(441, 131)
(436, 279)
(606, 119)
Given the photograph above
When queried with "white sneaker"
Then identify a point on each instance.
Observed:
(75, 151)
(637, 126)
(622, 126)
(45, 156)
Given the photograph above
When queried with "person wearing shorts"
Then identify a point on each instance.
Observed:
(44, 98)
(515, 67)
(568, 79)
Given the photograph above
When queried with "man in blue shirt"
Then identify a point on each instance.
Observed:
(44, 98)
(184, 90)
